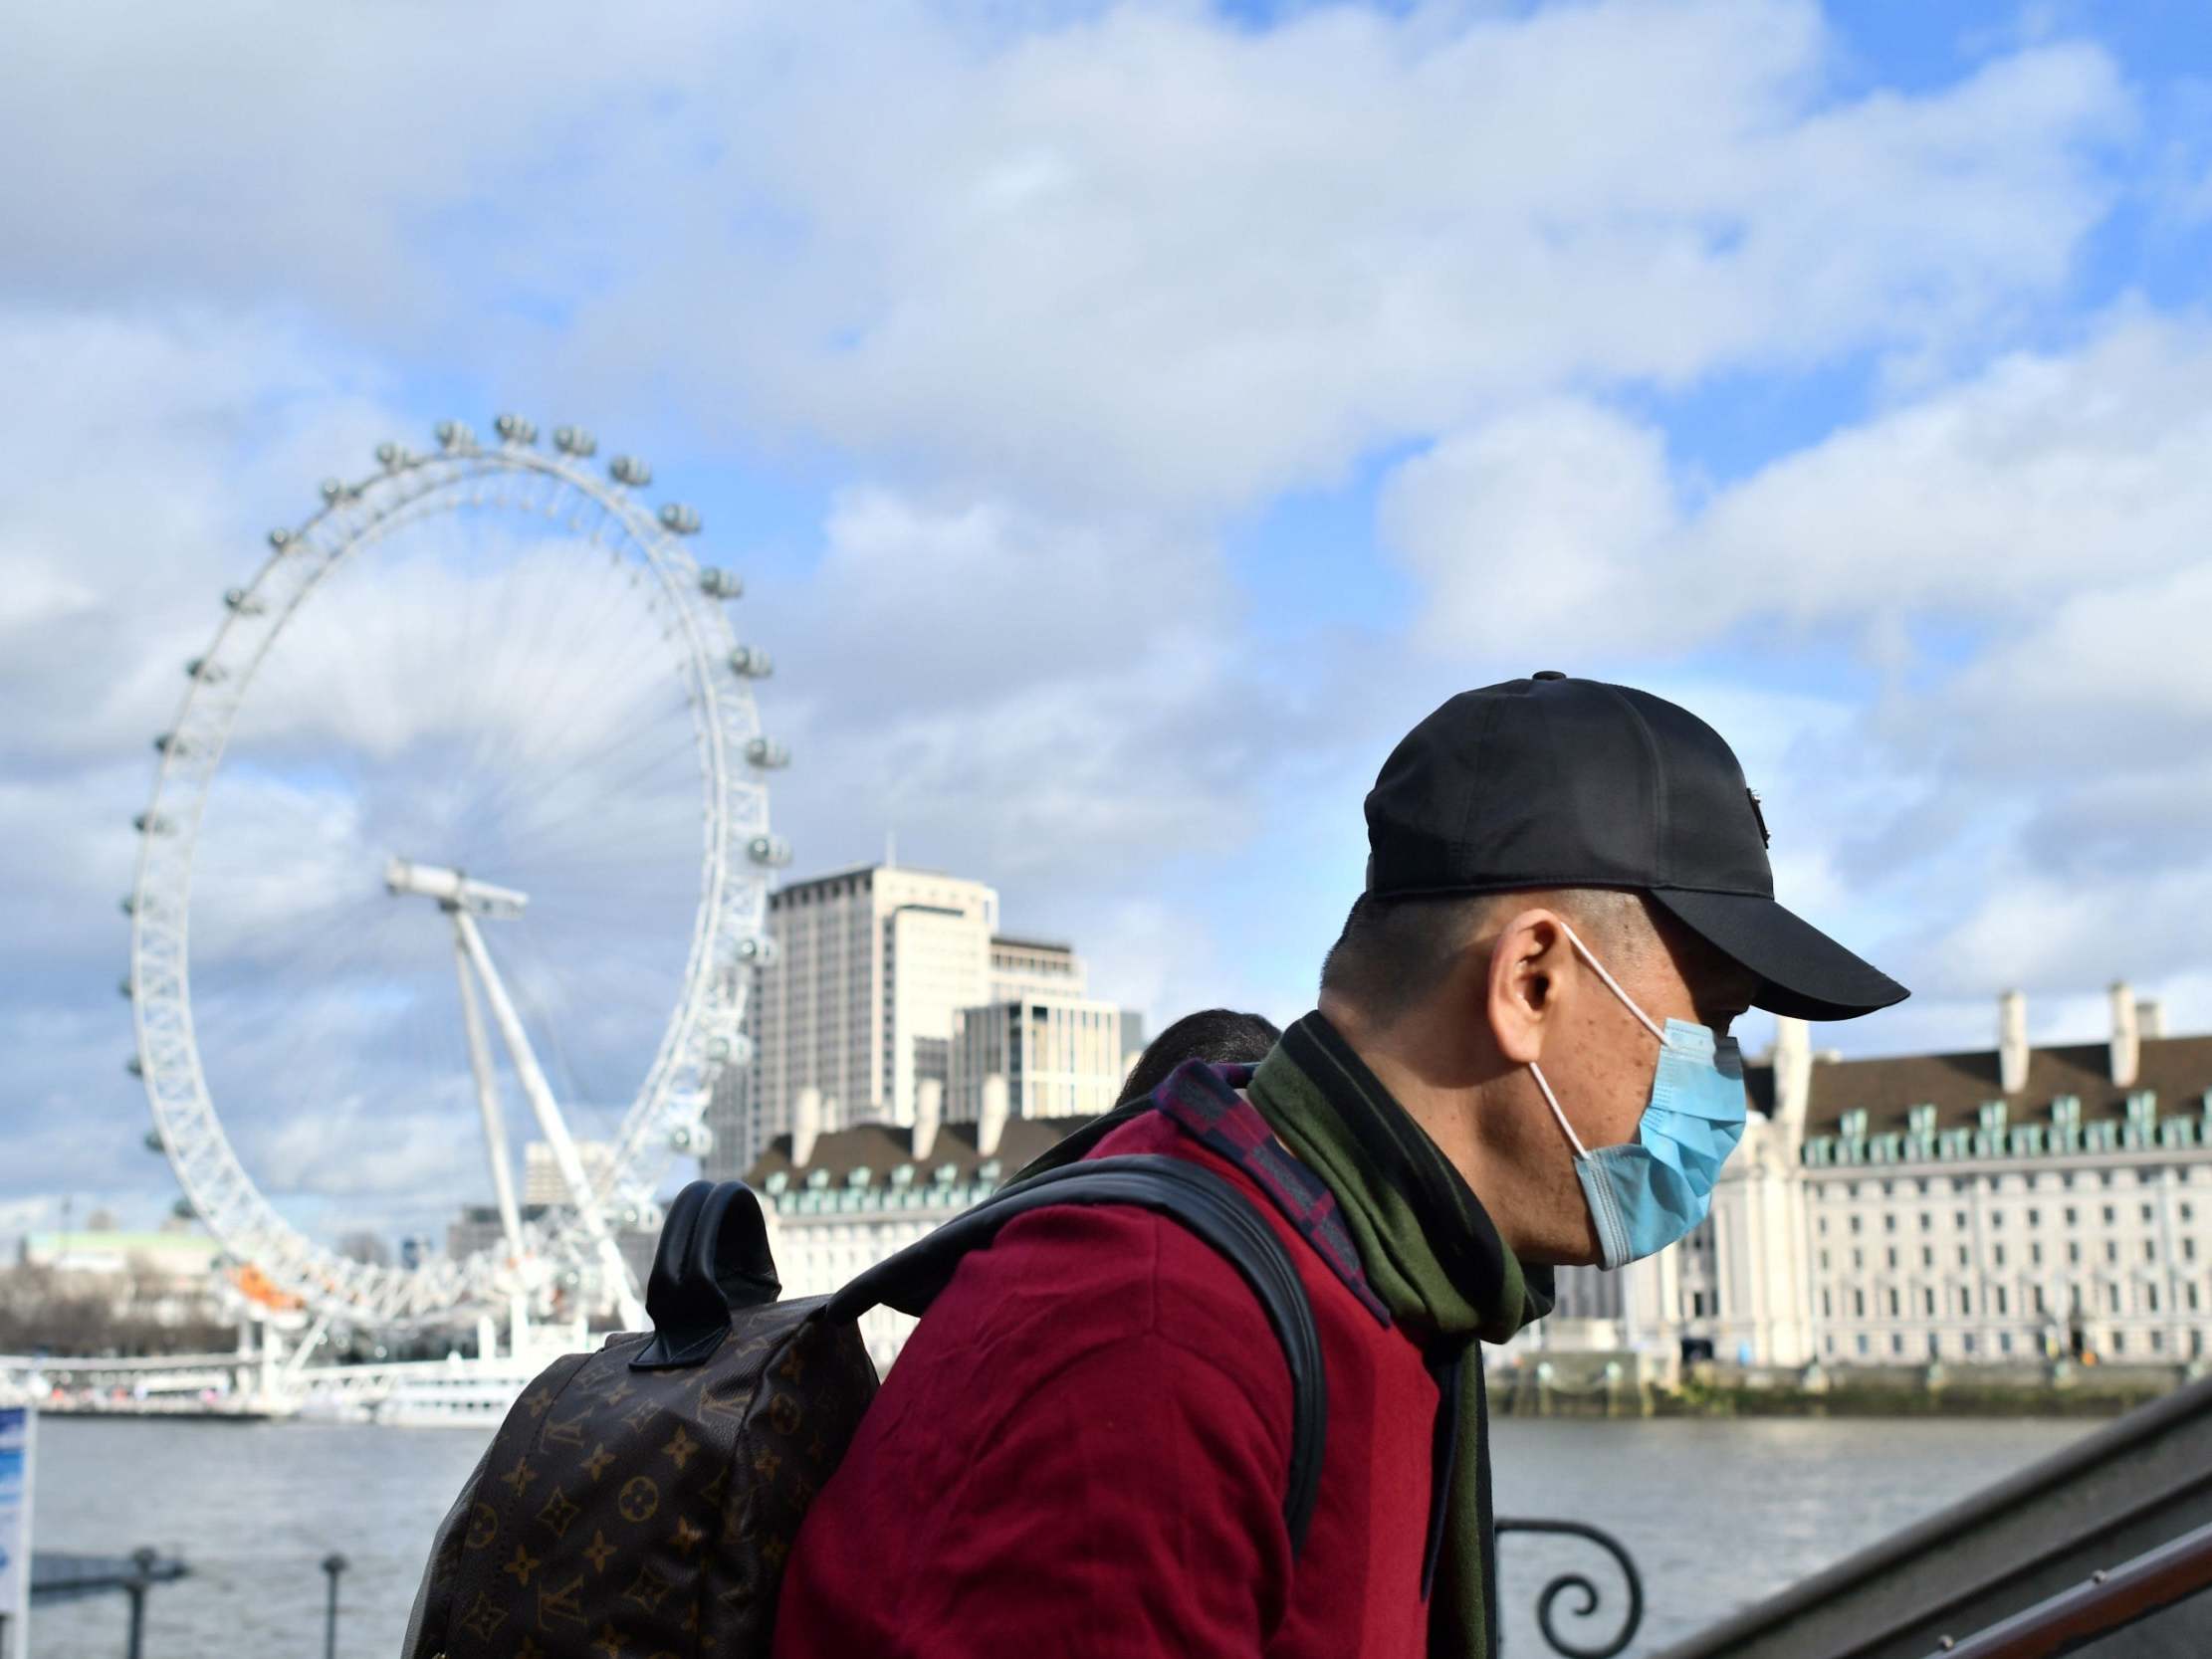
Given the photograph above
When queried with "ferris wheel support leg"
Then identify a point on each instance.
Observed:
(487, 1100)
(550, 1124)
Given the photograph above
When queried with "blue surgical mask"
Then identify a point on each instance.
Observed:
(1647, 1192)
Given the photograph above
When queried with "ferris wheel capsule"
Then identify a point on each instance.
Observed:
(334, 491)
(759, 949)
(239, 600)
(769, 850)
(574, 440)
(680, 520)
(720, 584)
(767, 754)
(630, 470)
(390, 456)
(136, 1068)
(750, 662)
(207, 673)
(455, 437)
(279, 539)
(515, 428)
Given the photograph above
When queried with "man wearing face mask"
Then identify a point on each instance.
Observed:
(1520, 1059)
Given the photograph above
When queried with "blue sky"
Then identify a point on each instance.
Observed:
(1129, 418)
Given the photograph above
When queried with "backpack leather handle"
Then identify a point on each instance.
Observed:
(712, 1259)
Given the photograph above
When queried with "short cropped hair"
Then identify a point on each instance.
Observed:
(1393, 953)
(1219, 1036)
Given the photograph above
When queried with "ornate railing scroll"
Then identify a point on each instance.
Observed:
(1548, 1597)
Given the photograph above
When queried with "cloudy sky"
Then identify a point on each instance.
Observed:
(1129, 418)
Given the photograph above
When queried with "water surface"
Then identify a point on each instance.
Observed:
(1716, 1513)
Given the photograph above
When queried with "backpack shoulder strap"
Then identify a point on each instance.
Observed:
(1188, 1194)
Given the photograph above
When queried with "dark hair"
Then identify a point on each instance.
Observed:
(1220, 1036)
(1395, 953)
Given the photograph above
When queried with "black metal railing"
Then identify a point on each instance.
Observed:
(1580, 1585)
(58, 1577)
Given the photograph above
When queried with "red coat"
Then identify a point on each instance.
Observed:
(1083, 1451)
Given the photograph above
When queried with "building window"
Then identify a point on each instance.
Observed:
(2108, 1217)
(2112, 1249)
(1966, 1342)
(1858, 1257)
(1828, 1306)
(2188, 1249)
(1897, 1342)
(2034, 1218)
(1927, 1255)
(2039, 1299)
(2188, 1214)
(1893, 1308)
(2072, 1214)
(1927, 1299)
(1824, 1261)
(2146, 1212)
(1961, 1217)
(1892, 1255)
(2112, 1298)
(1997, 1254)
(1861, 1341)
(2157, 1341)
(2191, 1290)
(1889, 1222)
(1824, 1226)
(2150, 1250)
(2119, 1342)
(2002, 1300)
(2004, 1341)
(1964, 1260)
(2150, 1298)
(2035, 1252)
(2074, 1250)
(1829, 1342)
(1858, 1304)
(1854, 1223)
(1965, 1301)
(1928, 1222)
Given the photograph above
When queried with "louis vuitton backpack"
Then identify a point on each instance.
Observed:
(639, 1502)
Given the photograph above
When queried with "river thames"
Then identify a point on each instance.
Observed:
(1716, 1515)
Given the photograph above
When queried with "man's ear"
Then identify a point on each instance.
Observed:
(1525, 965)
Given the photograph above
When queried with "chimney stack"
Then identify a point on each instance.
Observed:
(2151, 1016)
(929, 1111)
(993, 1121)
(2011, 1042)
(2127, 1043)
(806, 1125)
(1793, 1072)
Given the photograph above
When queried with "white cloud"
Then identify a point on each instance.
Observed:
(2038, 480)
(1142, 253)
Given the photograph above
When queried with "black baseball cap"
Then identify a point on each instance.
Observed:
(1552, 782)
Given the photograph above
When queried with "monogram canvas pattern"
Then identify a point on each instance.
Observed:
(627, 1514)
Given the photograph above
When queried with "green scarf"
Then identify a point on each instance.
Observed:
(1432, 1255)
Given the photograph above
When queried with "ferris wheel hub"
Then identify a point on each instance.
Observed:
(452, 889)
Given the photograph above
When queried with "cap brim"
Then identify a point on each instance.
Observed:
(1803, 972)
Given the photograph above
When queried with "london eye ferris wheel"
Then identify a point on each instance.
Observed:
(463, 820)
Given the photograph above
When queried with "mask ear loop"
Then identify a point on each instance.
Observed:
(1552, 1101)
(1613, 984)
